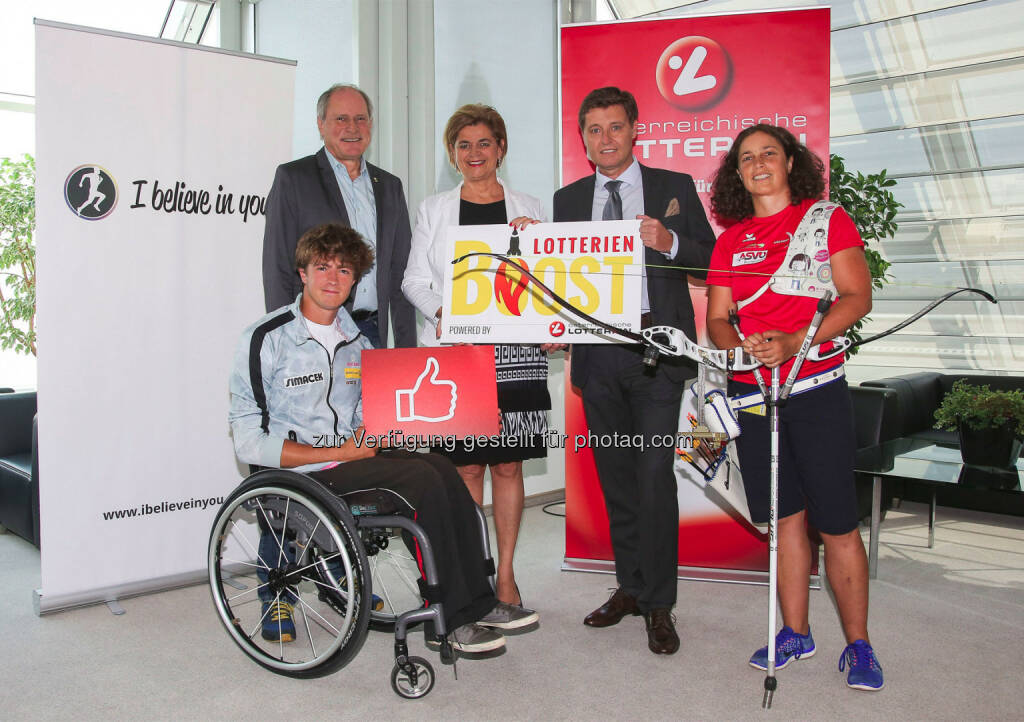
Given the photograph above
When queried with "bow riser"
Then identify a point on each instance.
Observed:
(676, 343)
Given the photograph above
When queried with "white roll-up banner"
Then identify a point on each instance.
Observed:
(153, 164)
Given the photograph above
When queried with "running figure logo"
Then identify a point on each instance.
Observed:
(90, 192)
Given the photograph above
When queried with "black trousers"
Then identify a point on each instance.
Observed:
(369, 328)
(817, 448)
(623, 396)
(443, 507)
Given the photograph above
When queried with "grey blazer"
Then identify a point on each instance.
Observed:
(306, 194)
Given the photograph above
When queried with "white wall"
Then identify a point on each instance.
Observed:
(320, 36)
(501, 54)
(505, 55)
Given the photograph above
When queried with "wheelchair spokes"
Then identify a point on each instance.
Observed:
(395, 575)
(299, 609)
(293, 586)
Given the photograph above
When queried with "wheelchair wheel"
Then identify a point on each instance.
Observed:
(395, 575)
(404, 685)
(289, 575)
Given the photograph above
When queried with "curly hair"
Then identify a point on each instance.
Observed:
(730, 200)
(475, 114)
(605, 98)
(334, 241)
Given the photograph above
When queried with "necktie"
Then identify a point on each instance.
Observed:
(613, 206)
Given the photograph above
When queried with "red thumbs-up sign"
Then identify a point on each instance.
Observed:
(430, 399)
(431, 391)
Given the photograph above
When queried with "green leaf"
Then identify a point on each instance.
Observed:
(978, 407)
(17, 254)
(872, 209)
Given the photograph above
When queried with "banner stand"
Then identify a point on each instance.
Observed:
(50, 603)
(150, 218)
(698, 83)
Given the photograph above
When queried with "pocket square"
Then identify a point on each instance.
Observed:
(673, 208)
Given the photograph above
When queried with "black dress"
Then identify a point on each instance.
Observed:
(522, 382)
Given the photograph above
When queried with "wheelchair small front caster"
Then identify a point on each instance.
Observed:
(413, 679)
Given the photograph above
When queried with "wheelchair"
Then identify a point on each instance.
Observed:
(342, 564)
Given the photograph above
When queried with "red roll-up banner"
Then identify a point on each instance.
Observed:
(698, 81)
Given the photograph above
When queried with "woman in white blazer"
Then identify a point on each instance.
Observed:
(424, 274)
(477, 142)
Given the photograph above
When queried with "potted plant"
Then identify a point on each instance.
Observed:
(17, 255)
(869, 201)
(990, 423)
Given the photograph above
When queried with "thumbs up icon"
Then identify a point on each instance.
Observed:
(431, 401)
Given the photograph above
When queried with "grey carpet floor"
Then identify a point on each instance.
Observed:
(947, 623)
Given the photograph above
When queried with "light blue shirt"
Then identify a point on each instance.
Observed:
(362, 216)
(632, 194)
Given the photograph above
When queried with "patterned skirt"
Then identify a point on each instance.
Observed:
(523, 398)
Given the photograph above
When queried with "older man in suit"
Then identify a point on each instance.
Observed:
(337, 185)
(620, 393)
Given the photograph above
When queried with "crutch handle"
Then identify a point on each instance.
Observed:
(824, 303)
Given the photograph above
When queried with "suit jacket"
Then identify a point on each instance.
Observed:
(305, 194)
(424, 276)
(667, 289)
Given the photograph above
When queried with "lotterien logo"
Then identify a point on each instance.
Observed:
(90, 192)
(693, 73)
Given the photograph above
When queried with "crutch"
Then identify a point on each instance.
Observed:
(773, 400)
(770, 683)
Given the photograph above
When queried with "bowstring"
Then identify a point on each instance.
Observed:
(708, 269)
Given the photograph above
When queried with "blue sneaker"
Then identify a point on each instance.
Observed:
(277, 622)
(788, 646)
(865, 671)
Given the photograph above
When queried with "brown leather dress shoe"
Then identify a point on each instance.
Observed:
(661, 631)
(611, 612)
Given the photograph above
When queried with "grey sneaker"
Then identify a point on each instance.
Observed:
(472, 638)
(509, 616)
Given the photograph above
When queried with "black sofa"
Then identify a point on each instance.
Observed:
(909, 411)
(870, 406)
(912, 412)
(19, 465)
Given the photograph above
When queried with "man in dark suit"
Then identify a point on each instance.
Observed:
(620, 393)
(338, 186)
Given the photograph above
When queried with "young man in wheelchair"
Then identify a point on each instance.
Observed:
(296, 379)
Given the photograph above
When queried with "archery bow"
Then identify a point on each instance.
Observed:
(927, 309)
(666, 339)
(663, 339)
(673, 342)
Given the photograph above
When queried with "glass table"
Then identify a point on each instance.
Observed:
(923, 463)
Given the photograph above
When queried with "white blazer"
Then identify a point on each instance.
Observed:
(423, 283)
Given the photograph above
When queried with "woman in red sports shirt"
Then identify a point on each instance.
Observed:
(765, 185)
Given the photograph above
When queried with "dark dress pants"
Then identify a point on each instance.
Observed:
(624, 396)
(369, 328)
(443, 507)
